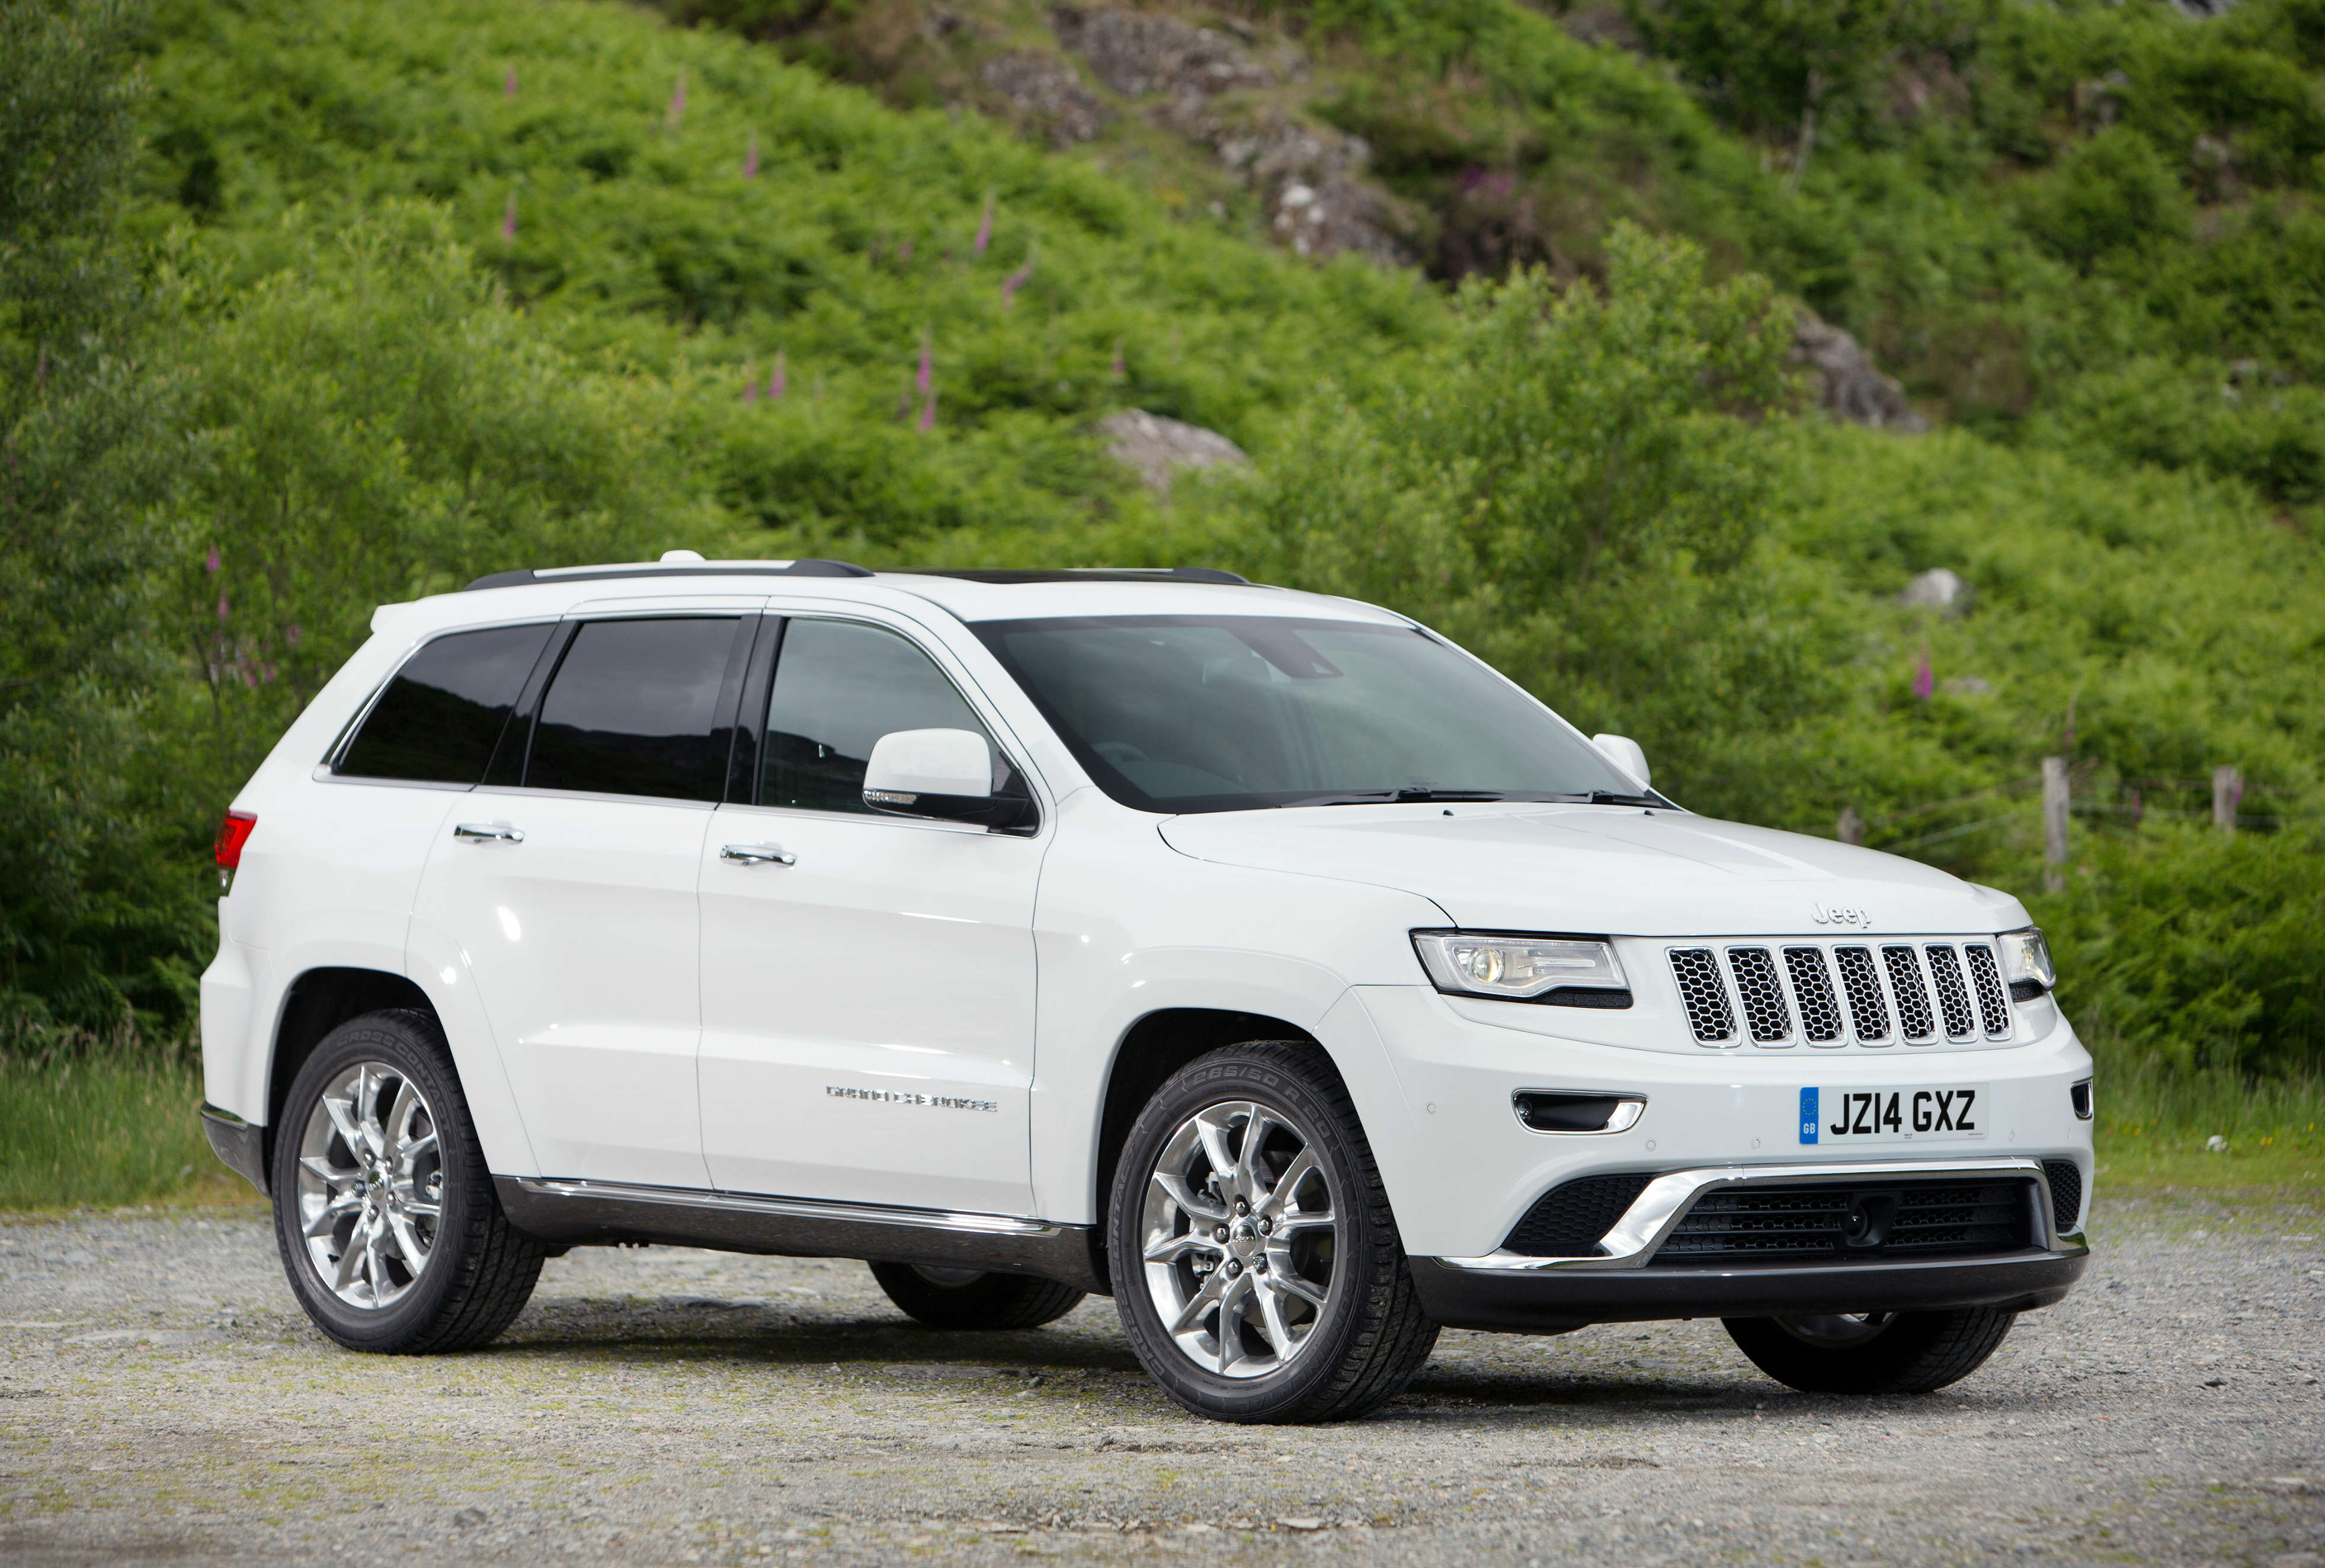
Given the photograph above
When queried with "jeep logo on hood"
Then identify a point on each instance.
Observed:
(1829, 916)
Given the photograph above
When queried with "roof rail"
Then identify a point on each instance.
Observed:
(1086, 574)
(698, 567)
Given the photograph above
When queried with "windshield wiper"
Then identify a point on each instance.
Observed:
(1390, 797)
(1616, 797)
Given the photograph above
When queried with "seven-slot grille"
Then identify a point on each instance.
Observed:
(1924, 993)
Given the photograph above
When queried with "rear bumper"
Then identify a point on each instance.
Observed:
(241, 1145)
(1461, 1293)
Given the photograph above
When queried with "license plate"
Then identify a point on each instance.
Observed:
(1858, 1116)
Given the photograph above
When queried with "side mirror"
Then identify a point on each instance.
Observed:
(1624, 753)
(946, 774)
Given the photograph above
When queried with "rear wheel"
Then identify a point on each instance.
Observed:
(1876, 1352)
(973, 1298)
(383, 1211)
(1257, 1266)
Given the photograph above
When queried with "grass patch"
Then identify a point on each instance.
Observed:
(103, 1127)
(2157, 1124)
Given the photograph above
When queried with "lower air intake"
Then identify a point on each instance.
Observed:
(1808, 1222)
(2066, 1182)
(1568, 1220)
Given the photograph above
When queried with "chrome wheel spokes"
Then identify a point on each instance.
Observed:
(371, 1186)
(1238, 1237)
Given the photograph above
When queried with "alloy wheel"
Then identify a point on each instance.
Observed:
(1239, 1237)
(371, 1184)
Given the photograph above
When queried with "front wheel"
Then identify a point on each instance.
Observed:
(1875, 1352)
(1257, 1266)
(383, 1211)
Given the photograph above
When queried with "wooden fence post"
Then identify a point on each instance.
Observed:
(1852, 827)
(2054, 824)
(2228, 789)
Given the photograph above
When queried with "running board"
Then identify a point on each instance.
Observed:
(581, 1214)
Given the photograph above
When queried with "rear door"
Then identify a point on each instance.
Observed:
(567, 880)
(867, 980)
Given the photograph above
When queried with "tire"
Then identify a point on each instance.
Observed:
(1904, 1352)
(1310, 1360)
(474, 1270)
(955, 1298)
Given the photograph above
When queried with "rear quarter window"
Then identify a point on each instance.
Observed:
(442, 714)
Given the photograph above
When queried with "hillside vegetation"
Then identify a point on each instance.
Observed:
(307, 304)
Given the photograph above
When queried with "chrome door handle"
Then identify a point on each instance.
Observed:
(752, 855)
(485, 832)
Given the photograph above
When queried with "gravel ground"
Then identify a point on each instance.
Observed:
(162, 1400)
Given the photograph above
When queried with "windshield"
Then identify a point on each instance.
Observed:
(1227, 713)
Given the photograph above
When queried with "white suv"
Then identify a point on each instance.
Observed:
(1259, 958)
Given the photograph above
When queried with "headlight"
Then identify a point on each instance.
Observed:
(2026, 963)
(1562, 971)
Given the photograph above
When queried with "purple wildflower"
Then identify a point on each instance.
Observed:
(1924, 682)
(508, 222)
(508, 84)
(922, 382)
(1120, 370)
(678, 98)
(224, 611)
(211, 565)
(750, 383)
(929, 412)
(904, 252)
(1016, 281)
(984, 228)
(751, 159)
(778, 378)
(265, 671)
(291, 634)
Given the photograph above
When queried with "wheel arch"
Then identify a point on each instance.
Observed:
(316, 1002)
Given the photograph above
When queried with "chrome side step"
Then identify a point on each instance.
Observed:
(576, 1213)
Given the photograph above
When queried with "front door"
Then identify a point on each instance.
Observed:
(867, 980)
(571, 892)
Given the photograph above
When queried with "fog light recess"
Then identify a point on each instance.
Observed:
(1577, 1111)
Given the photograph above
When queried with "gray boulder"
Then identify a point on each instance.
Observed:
(1046, 90)
(1854, 389)
(1155, 447)
(1937, 589)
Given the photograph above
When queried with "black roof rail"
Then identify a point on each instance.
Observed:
(1085, 575)
(528, 576)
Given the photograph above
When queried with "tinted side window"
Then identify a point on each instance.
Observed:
(439, 718)
(839, 686)
(632, 710)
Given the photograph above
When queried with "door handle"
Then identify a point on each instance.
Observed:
(487, 832)
(752, 855)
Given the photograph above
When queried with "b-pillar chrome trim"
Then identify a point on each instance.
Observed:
(1667, 1199)
(581, 1212)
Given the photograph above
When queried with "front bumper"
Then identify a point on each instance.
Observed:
(1619, 1281)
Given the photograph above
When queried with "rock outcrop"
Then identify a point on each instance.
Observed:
(1156, 447)
(1048, 91)
(1937, 589)
(1854, 389)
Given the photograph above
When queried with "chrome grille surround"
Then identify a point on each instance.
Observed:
(1781, 993)
(1915, 1021)
(1993, 1000)
(1812, 985)
(1765, 1012)
(1704, 995)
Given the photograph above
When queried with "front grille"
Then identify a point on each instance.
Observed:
(1820, 1013)
(2066, 1181)
(1702, 994)
(1809, 1222)
(1914, 1019)
(1764, 1011)
(1568, 1220)
(1923, 992)
(1993, 1002)
(1866, 1004)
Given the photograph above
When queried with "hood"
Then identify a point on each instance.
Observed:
(1602, 869)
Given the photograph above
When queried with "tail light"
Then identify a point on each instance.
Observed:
(232, 834)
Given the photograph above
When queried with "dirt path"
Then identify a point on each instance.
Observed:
(163, 1401)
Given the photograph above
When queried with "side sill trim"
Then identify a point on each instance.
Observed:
(1667, 1199)
(240, 1146)
(581, 1212)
